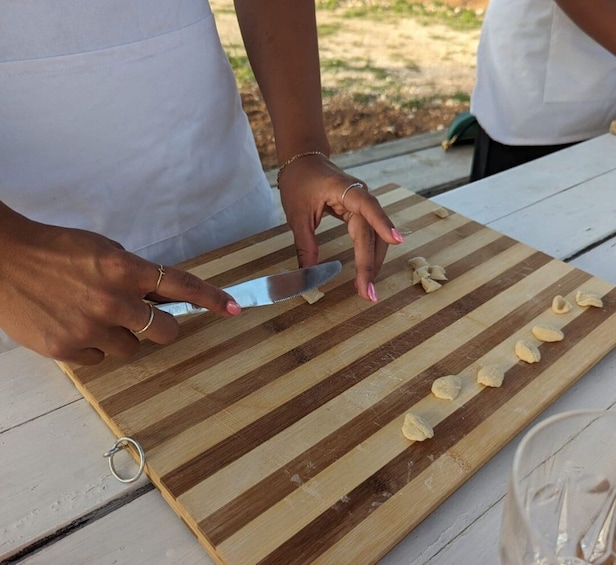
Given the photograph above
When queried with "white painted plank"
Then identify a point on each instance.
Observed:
(569, 221)
(512, 190)
(53, 472)
(419, 171)
(146, 531)
(600, 261)
(380, 151)
(30, 385)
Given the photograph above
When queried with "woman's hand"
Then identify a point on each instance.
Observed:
(76, 296)
(312, 185)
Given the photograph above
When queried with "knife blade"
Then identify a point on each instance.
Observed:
(266, 290)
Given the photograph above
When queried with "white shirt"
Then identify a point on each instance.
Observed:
(540, 79)
(123, 117)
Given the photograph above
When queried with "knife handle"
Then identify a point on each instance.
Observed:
(180, 308)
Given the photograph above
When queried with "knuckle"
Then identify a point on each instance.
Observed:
(191, 284)
(115, 264)
(57, 349)
(104, 306)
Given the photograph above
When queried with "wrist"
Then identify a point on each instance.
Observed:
(293, 158)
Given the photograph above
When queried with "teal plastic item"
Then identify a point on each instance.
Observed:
(463, 128)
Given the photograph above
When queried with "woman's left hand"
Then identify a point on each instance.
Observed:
(313, 185)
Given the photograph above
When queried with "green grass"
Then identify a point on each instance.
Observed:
(241, 69)
(361, 78)
(427, 14)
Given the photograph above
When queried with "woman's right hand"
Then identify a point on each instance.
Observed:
(77, 296)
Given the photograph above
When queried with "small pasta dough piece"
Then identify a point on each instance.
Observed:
(491, 375)
(313, 295)
(417, 262)
(437, 273)
(613, 127)
(429, 285)
(560, 305)
(588, 299)
(547, 332)
(527, 351)
(447, 387)
(420, 273)
(441, 212)
(416, 428)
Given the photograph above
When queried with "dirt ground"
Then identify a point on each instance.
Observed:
(383, 78)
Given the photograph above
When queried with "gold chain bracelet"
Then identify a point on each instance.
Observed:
(294, 158)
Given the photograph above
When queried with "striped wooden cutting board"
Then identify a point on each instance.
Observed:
(276, 435)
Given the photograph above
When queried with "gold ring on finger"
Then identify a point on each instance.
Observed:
(161, 274)
(346, 190)
(150, 320)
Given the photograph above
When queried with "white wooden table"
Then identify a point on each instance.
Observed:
(60, 504)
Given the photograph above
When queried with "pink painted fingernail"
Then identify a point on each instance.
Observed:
(233, 308)
(372, 293)
(397, 235)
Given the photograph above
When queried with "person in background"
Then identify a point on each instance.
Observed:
(546, 78)
(124, 149)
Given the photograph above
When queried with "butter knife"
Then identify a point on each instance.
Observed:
(266, 290)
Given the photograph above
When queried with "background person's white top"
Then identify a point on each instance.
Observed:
(123, 117)
(540, 79)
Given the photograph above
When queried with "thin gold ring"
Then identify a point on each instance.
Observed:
(151, 319)
(353, 185)
(161, 274)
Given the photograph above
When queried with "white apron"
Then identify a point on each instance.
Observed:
(540, 79)
(123, 117)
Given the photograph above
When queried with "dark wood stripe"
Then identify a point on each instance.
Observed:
(213, 356)
(205, 464)
(199, 410)
(89, 373)
(333, 525)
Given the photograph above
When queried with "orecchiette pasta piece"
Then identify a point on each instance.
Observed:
(417, 262)
(490, 375)
(437, 273)
(416, 428)
(527, 351)
(420, 273)
(429, 285)
(547, 332)
(447, 387)
(441, 212)
(313, 295)
(584, 298)
(560, 305)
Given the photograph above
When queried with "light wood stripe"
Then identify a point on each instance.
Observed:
(216, 377)
(129, 384)
(276, 435)
(334, 245)
(405, 372)
(384, 411)
(209, 493)
(326, 530)
(187, 475)
(171, 453)
(393, 520)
